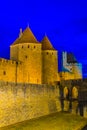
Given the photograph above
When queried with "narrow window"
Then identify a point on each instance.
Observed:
(26, 57)
(4, 72)
(28, 46)
(22, 46)
(47, 53)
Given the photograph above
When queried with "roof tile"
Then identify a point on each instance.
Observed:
(26, 37)
(46, 44)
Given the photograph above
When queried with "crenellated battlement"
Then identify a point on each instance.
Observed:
(6, 61)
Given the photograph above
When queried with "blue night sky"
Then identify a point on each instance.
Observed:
(64, 22)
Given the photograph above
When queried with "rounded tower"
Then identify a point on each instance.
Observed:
(27, 49)
(49, 62)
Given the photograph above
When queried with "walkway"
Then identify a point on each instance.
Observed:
(57, 121)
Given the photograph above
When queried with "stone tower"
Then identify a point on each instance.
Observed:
(72, 69)
(49, 62)
(27, 49)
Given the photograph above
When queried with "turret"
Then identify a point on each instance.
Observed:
(27, 49)
(49, 62)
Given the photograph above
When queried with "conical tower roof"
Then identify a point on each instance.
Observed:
(26, 37)
(46, 44)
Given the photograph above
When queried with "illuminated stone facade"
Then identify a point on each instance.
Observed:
(29, 80)
(30, 61)
(35, 62)
(20, 102)
(71, 69)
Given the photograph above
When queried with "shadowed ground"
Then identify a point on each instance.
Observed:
(57, 121)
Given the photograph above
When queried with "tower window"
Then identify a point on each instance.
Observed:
(26, 57)
(47, 53)
(4, 72)
(28, 46)
(34, 46)
(22, 46)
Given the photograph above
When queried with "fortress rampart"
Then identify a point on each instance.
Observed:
(19, 102)
(10, 70)
(28, 81)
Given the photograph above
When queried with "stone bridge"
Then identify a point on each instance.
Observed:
(73, 95)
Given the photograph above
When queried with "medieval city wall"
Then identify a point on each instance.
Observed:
(20, 102)
(7, 70)
(66, 75)
(11, 71)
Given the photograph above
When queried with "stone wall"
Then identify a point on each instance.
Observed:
(11, 71)
(7, 70)
(19, 102)
(30, 55)
(49, 66)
